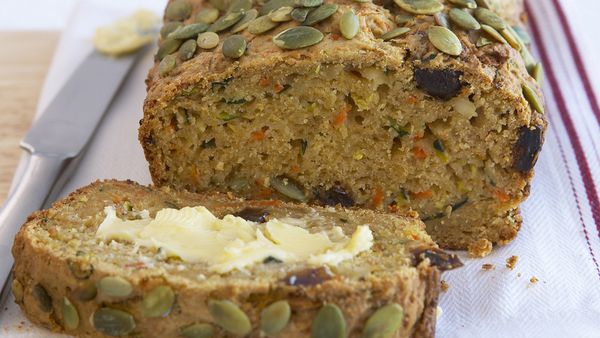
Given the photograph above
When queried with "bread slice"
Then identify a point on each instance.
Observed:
(379, 123)
(60, 262)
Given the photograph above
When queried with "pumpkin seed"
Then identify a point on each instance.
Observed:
(522, 34)
(427, 7)
(471, 4)
(226, 116)
(444, 40)
(282, 14)
(528, 60)
(400, 131)
(239, 6)
(517, 37)
(188, 31)
(17, 290)
(308, 3)
(158, 302)
(167, 47)
(226, 21)
(493, 33)
(349, 24)
(441, 19)
(483, 3)
(275, 317)
(402, 19)
(533, 99)
(261, 25)
(298, 37)
(229, 316)
(85, 292)
(441, 153)
(329, 323)
(207, 16)
(483, 41)
(362, 1)
(486, 16)
(320, 13)
(221, 5)
(245, 21)
(43, 298)
(272, 5)
(300, 14)
(512, 40)
(178, 10)
(201, 330)
(113, 322)
(70, 314)
(394, 33)
(169, 28)
(288, 188)
(187, 50)
(116, 286)
(463, 19)
(538, 73)
(234, 46)
(384, 322)
(208, 40)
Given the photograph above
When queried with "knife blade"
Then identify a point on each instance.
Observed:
(58, 137)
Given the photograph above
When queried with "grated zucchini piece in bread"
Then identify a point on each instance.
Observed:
(68, 279)
(393, 124)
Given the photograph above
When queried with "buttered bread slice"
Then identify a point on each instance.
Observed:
(120, 259)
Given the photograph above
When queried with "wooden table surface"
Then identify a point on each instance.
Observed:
(24, 62)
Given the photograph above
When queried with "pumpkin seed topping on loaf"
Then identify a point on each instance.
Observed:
(65, 273)
(432, 106)
(221, 16)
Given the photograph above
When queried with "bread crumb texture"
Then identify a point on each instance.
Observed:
(480, 248)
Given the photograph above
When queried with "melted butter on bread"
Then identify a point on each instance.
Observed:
(195, 235)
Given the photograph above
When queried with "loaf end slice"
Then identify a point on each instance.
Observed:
(69, 280)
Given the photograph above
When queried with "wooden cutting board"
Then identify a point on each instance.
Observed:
(24, 61)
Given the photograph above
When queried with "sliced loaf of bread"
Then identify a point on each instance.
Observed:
(432, 106)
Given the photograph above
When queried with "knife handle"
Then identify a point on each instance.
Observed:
(29, 195)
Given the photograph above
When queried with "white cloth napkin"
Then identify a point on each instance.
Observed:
(559, 243)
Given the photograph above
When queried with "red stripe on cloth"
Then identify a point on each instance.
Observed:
(584, 168)
(574, 192)
(587, 84)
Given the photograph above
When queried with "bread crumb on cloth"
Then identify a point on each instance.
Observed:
(511, 262)
(487, 267)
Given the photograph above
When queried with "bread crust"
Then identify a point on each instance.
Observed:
(39, 262)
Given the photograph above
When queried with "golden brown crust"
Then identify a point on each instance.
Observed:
(44, 253)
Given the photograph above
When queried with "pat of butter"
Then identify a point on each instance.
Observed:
(195, 235)
(128, 34)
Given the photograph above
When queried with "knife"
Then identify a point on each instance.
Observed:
(56, 140)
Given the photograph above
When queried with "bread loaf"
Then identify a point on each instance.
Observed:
(69, 279)
(429, 105)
